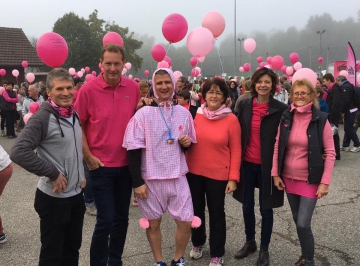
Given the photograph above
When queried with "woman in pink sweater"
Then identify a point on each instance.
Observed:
(214, 164)
(303, 141)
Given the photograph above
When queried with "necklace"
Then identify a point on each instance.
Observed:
(170, 140)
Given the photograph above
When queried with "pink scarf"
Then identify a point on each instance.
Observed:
(218, 114)
(64, 112)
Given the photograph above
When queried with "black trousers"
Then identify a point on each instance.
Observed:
(61, 223)
(10, 122)
(214, 191)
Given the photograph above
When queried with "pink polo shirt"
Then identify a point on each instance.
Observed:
(105, 112)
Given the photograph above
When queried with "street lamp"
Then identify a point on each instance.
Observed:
(320, 33)
(240, 40)
(310, 55)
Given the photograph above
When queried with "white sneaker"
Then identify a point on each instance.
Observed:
(217, 261)
(196, 252)
(344, 148)
(355, 149)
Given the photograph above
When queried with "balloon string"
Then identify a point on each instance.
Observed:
(221, 64)
(250, 65)
(168, 48)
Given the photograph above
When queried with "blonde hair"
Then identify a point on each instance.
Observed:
(306, 83)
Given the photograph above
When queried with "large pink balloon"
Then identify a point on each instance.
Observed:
(30, 77)
(320, 60)
(249, 45)
(277, 62)
(289, 71)
(195, 72)
(89, 77)
(241, 69)
(215, 22)
(24, 64)
(193, 61)
(283, 69)
(344, 73)
(294, 57)
(163, 64)
(201, 59)
(146, 72)
(33, 107)
(259, 59)
(177, 74)
(27, 117)
(2, 72)
(305, 73)
(200, 42)
(297, 66)
(128, 65)
(247, 67)
(174, 28)
(52, 49)
(113, 37)
(2, 89)
(168, 60)
(15, 73)
(158, 52)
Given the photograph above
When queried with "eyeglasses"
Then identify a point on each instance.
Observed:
(302, 94)
(217, 93)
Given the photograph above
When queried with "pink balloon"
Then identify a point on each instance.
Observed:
(249, 45)
(52, 49)
(305, 73)
(2, 72)
(201, 59)
(158, 52)
(289, 71)
(100, 66)
(27, 117)
(102, 70)
(72, 71)
(89, 77)
(80, 74)
(344, 73)
(93, 73)
(247, 67)
(241, 69)
(258, 68)
(128, 65)
(83, 70)
(357, 67)
(200, 42)
(268, 66)
(358, 79)
(124, 71)
(269, 59)
(294, 57)
(174, 28)
(76, 75)
(259, 59)
(195, 72)
(320, 60)
(2, 89)
(215, 22)
(168, 60)
(283, 69)
(24, 64)
(30, 77)
(193, 61)
(177, 74)
(198, 69)
(87, 69)
(130, 76)
(146, 72)
(163, 64)
(15, 73)
(113, 37)
(297, 66)
(277, 62)
(33, 107)
(262, 64)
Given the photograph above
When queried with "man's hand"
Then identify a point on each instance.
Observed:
(93, 162)
(278, 183)
(184, 141)
(83, 184)
(59, 184)
(143, 102)
(141, 192)
(230, 187)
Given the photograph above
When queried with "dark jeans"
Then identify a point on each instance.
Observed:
(214, 191)
(350, 132)
(88, 194)
(10, 122)
(112, 189)
(302, 209)
(2, 121)
(61, 223)
(252, 177)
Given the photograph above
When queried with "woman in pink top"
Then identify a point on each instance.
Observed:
(303, 141)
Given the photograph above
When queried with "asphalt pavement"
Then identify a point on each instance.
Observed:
(335, 225)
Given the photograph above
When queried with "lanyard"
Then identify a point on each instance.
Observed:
(170, 139)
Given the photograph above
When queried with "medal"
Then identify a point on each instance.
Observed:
(170, 141)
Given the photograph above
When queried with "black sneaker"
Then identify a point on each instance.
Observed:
(3, 239)
(246, 250)
(180, 262)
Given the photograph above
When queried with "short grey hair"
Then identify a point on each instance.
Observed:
(59, 74)
(35, 85)
(341, 78)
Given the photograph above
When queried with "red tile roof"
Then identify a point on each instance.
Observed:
(15, 47)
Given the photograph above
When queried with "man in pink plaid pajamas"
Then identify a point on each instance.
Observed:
(156, 139)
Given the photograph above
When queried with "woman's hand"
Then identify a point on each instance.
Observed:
(279, 183)
(230, 187)
(322, 190)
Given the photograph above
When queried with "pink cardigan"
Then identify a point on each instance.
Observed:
(296, 159)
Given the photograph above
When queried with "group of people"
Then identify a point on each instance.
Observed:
(179, 158)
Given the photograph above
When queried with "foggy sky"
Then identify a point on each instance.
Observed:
(36, 17)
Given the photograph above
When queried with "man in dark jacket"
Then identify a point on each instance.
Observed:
(349, 110)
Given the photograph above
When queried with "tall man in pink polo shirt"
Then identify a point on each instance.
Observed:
(105, 105)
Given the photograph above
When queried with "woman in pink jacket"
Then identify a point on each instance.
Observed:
(303, 161)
